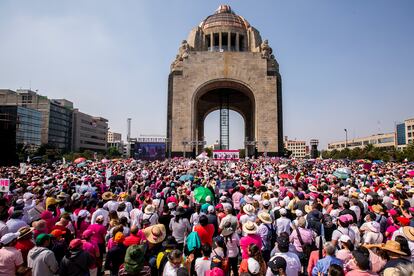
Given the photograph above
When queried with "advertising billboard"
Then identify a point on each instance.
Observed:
(149, 151)
(226, 155)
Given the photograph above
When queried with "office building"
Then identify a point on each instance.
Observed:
(386, 140)
(89, 132)
(19, 127)
(298, 148)
(56, 115)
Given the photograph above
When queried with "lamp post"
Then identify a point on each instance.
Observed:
(249, 143)
(346, 138)
(184, 143)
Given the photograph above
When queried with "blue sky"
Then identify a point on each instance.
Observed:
(344, 64)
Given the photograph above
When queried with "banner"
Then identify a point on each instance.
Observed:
(4, 185)
(108, 174)
(226, 155)
(23, 168)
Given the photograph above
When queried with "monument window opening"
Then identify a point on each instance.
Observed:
(216, 41)
(208, 42)
(224, 41)
(232, 42)
(241, 43)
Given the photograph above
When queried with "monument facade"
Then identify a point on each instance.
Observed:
(225, 65)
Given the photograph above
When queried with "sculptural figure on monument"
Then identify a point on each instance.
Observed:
(184, 49)
(266, 49)
(178, 62)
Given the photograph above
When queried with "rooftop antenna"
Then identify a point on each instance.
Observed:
(379, 127)
(128, 154)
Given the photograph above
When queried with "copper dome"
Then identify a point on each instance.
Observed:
(224, 17)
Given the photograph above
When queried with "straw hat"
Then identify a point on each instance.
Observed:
(250, 227)
(227, 231)
(377, 208)
(394, 247)
(312, 189)
(155, 234)
(265, 217)
(308, 209)
(408, 232)
(107, 196)
(149, 209)
(24, 231)
(249, 209)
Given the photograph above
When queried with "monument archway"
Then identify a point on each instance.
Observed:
(223, 95)
(224, 64)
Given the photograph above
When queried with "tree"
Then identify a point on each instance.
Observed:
(113, 152)
(209, 152)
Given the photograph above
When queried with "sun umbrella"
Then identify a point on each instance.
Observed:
(410, 173)
(104, 161)
(344, 170)
(286, 176)
(80, 165)
(187, 177)
(341, 174)
(79, 160)
(201, 193)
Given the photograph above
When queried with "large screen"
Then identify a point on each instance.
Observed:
(149, 151)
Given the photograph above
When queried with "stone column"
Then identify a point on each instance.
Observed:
(211, 41)
(237, 42)
(229, 41)
(220, 45)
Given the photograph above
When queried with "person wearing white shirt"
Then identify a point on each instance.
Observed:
(100, 212)
(282, 223)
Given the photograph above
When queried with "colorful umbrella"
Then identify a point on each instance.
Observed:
(79, 160)
(410, 173)
(201, 193)
(341, 174)
(286, 176)
(187, 177)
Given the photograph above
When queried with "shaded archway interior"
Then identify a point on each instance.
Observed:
(239, 99)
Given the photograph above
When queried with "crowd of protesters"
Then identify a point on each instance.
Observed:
(265, 216)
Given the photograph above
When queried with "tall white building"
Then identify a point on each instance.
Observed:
(298, 148)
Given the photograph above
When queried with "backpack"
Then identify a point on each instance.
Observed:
(271, 236)
(164, 260)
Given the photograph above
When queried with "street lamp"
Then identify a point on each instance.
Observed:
(249, 143)
(184, 143)
(346, 138)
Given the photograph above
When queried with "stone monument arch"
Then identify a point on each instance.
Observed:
(224, 65)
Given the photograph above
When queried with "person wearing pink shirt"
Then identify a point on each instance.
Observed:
(250, 229)
(92, 249)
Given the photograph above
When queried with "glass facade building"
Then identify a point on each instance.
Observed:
(401, 134)
(18, 126)
(29, 125)
(60, 126)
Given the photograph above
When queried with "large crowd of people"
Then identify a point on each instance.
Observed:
(266, 216)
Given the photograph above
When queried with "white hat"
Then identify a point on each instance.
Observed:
(27, 196)
(210, 209)
(298, 213)
(253, 266)
(223, 198)
(8, 238)
(208, 198)
(282, 211)
(83, 213)
(266, 203)
(171, 205)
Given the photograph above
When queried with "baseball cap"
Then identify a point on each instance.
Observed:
(253, 266)
(42, 238)
(8, 238)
